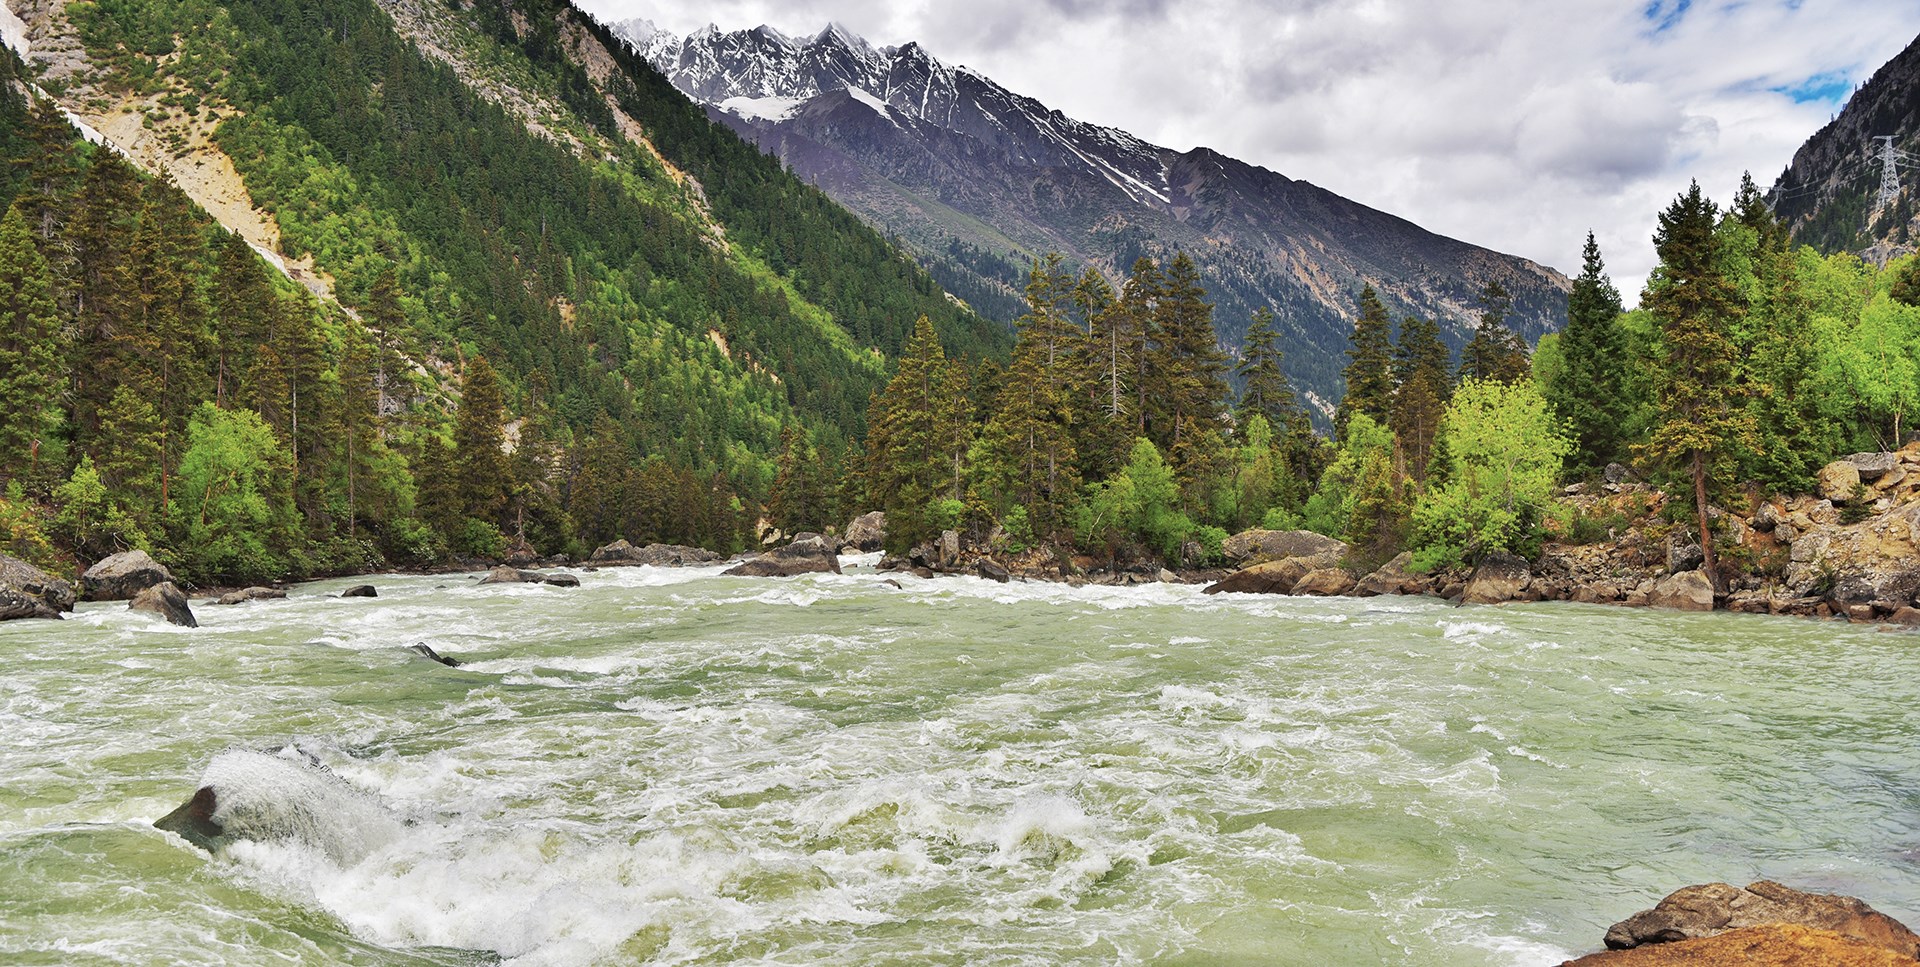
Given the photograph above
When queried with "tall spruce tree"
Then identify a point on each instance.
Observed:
(1369, 373)
(918, 434)
(479, 460)
(1189, 367)
(29, 357)
(1590, 392)
(1698, 424)
(1421, 364)
(1495, 352)
(1264, 387)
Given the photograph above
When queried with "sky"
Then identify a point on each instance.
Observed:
(1519, 125)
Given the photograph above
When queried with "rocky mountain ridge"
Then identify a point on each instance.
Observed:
(978, 180)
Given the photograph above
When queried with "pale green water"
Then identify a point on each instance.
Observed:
(677, 768)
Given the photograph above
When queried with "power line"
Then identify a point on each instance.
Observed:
(1889, 172)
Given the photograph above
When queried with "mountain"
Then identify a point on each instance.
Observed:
(1830, 196)
(404, 224)
(979, 180)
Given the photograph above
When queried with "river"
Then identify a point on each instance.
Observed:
(673, 767)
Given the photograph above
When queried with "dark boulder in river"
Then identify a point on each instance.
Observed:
(1711, 909)
(426, 651)
(1271, 577)
(167, 601)
(120, 577)
(509, 575)
(808, 554)
(360, 591)
(28, 592)
(1499, 577)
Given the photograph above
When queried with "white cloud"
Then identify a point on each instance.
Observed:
(1512, 124)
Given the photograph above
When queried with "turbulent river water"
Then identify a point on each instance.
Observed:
(673, 767)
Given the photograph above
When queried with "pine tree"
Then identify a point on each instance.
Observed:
(479, 463)
(29, 356)
(105, 299)
(1264, 387)
(600, 489)
(798, 502)
(1421, 365)
(49, 174)
(1369, 373)
(1139, 300)
(1590, 393)
(166, 346)
(1698, 426)
(241, 305)
(918, 434)
(1189, 375)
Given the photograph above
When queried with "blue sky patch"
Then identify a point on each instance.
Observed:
(1832, 87)
(1663, 14)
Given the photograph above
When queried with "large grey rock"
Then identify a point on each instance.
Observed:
(992, 571)
(1267, 577)
(1686, 591)
(1324, 582)
(655, 555)
(1873, 466)
(281, 797)
(120, 577)
(510, 575)
(1394, 577)
(1711, 909)
(1498, 578)
(867, 532)
(28, 592)
(1257, 545)
(360, 591)
(810, 554)
(249, 594)
(1684, 554)
(167, 601)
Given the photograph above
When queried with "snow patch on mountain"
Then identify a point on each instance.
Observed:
(762, 108)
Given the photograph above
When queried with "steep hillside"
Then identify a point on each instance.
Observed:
(1830, 197)
(979, 180)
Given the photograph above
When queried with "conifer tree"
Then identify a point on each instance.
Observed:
(479, 463)
(600, 490)
(166, 346)
(1139, 301)
(105, 301)
(1590, 392)
(29, 356)
(1369, 373)
(1264, 387)
(1189, 368)
(918, 434)
(798, 502)
(1421, 365)
(241, 302)
(1698, 425)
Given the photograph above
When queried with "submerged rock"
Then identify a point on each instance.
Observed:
(992, 571)
(167, 601)
(1711, 909)
(561, 580)
(510, 575)
(28, 592)
(360, 591)
(280, 797)
(250, 594)
(120, 577)
(426, 651)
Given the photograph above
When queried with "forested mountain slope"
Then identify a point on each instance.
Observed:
(460, 188)
(1830, 196)
(981, 180)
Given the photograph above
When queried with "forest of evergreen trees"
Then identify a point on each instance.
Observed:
(1748, 365)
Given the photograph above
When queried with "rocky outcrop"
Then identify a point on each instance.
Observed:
(1772, 945)
(1254, 546)
(1498, 578)
(1324, 582)
(655, 555)
(1271, 577)
(167, 601)
(1838, 481)
(249, 594)
(28, 592)
(866, 533)
(120, 577)
(1710, 909)
(807, 554)
(360, 591)
(1686, 591)
(1394, 577)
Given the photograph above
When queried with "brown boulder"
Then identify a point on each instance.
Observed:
(808, 554)
(1499, 577)
(1324, 582)
(510, 575)
(120, 577)
(1770, 945)
(1394, 577)
(28, 592)
(655, 555)
(1710, 909)
(1265, 545)
(249, 594)
(1272, 577)
(867, 532)
(1686, 591)
(167, 601)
